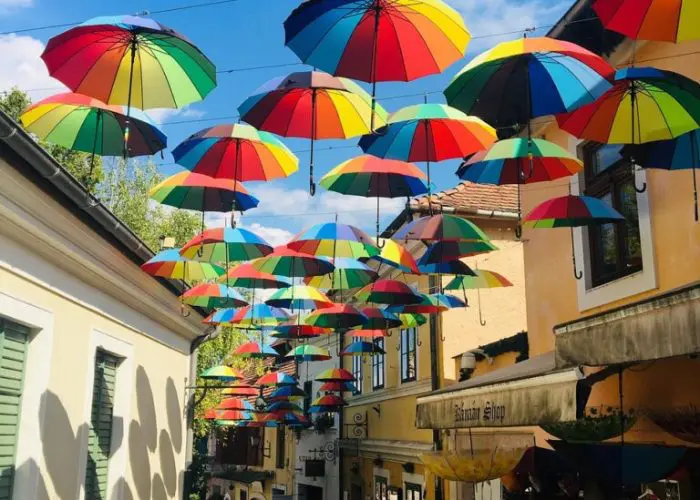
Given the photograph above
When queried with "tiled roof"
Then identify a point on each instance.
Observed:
(469, 197)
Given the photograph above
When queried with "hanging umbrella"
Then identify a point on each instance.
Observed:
(308, 353)
(221, 373)
(284, 406)
(572, 211)
(312, 105)
(276, 378)
(328, 400)
(258, 420)
(249, 317)
(284, 261)
(681, 153)
(380, 319)
(335, 375)
(397, 256)
(483, 279)
(337, 387)
(657, 20)
(226, 244)
(286, 392)
(369, 334)
(358, 348)
(295, 329)
(411, 320)
(429, 133)
(386, 291)
(232, 417)
(287, 418)
(441, 228)
(454, 267)
(299, 297)
(447, 251)
(337, 317)
(330, 239)
(240, 390)
(246, 276)
(369, 176)
(235, 404)
(450, 301)
(210, 414)
(429, 304)
(348, 274)
(379, 40)
(81, 123)
(170, 264)
(256, 350)
(208, 296)
(132, 61)
(519, 80)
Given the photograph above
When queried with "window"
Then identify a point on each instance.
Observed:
(378, 366)
(281, 447)
(381, 488)
(615, 249)
(357, 370)
(100, 437)
(413, 492)
(308, 395)
(243, 495)
(408, 354)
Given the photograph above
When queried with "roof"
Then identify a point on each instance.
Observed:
(468, 197)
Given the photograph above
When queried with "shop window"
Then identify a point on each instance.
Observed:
(381, 488)
(408, 354)
(357, 370)
(413, 491)
(378, 362)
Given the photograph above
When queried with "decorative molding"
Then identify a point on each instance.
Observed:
(408, 389)
(395, 451)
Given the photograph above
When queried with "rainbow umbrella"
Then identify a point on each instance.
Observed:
(335, 375)
(286, 392)
(256, 350)
(369, 176)
(328, 400)
(369, 334)
(226, 244)
(258, 420)
(572, 211)
(429, 304)
(379, 319)
(411, 320)
(450, 301)
(377, 41)
(170, 264)
(397, 256)
(441, 228)
(276, 378)
(359, 347)
(386, 291)
(483, 279)
(293, 329)
(330, 239)
(337, 387)
(235, 404)
(221, 373)
(447, 251)
(288, 418)
(210, 414)
(455, 267)
(81, 123)
(232, 417)
(236, 151)
(284, 406)
(240, 390)
(299, 297)
(348, 274)
(312, 105)
(132, 61)
(208, 295)
(249, 317)
(246, 276)
(308, 353)
(284, 261)
(659, 20)
(519, 80)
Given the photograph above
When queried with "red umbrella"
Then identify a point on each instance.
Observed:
(335, 375)
(387, 292)
(369, 334)
(380, 319)
(284, 261)
(246, 276)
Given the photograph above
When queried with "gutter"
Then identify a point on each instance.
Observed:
(491, 214)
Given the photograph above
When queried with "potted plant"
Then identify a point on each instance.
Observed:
(597, 424)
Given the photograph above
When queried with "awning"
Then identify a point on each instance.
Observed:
(660, 327)
(526, 393)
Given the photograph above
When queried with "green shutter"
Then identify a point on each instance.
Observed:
(13, 354)
(100, 438)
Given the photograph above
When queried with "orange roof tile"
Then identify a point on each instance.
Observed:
(468, 197)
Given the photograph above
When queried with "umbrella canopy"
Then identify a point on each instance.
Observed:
(571, 211)
(447, 251)
(284, 261)
(170, 264)
(240, 390)
(284, 406)
(358, 348)
(386, 40)
(412, 320)
(289, 418)
(308, 353)
(339, 316)
(522, 79)
(335, 375)
(167, 70)
(293, 329)
(455, 267)
(232, 417)
(380, 319)
(520, 161)
(369, 334)
(651, 19)
(483, 279)
(348, 274)
(643, 105)
(209, 295)
(255, 350)
(251, 317)
(226, 244)
(276, 378)
(222, 373)
(299, 297)
(385, 291)
(286, 392)
(235, 404)
(441, 228)
(202, 193)
(450, 301)
(236, 151)
(210, 414)
(429, 304)
(330, 239)
(246, 276)
(395, 255)
(328, 400)
(338, 387)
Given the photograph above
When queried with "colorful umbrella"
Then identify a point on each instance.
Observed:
(335, 375)
(386, 291)
(255, 350)
(226, 244)
(308, 353)
(286, 392)
(288, 418)
(170, 264)
(658, 20)
(337, 387)
(450, 301)
(81, 123)
(208, 295)
(299, 297)
(246, 276)
(522, 79)
(130, 60)
(441, 228)
(210, 414)
(249, 317)
(380, 319)
(358, 348)
(240, 390)
(483, 279)
(429, 304)
(294, 330)
(284, 406)
(369, 334)
(348, 274)
(221, 373)
(312, 105)
(232, 417)
(330, 239)
(328, 400)
(572, 211)
(369, 176)
(284, 261)
(379, 40)
(235, 404)
(454, 267)
(236, 151)
(276, 378)
(447, 251)
(410, 320)
(397, 256)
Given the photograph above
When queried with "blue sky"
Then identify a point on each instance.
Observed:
(249, 33)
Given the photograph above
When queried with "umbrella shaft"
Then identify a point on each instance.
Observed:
(128, 97)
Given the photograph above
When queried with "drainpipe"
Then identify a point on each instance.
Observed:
(435, 377)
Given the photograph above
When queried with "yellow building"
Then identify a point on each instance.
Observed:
(381, 446)
(94, 353)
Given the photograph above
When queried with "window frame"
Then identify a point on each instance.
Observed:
(381, 483)
(378, 367)
(414, 488)
(357, 371)
(404, 352)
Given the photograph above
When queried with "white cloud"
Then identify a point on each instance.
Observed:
(7, 6)
(21, 65)
(162, 115)
(275, 236)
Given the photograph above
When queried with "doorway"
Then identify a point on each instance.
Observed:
(308, 492)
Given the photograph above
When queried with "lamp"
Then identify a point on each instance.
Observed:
(467, 364)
